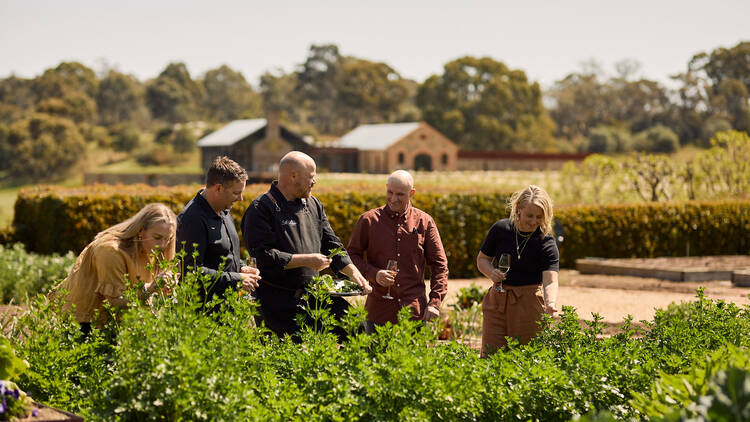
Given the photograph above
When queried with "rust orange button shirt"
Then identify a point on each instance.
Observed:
(412, 239)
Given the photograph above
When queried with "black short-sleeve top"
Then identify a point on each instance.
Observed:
(538, 255)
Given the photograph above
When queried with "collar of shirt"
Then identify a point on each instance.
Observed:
(395, 215)
(206, 207)
(294, 204)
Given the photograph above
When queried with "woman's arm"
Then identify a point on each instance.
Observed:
(550, 285)
(484, 265)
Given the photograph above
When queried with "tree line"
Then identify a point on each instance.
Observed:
(480, 103)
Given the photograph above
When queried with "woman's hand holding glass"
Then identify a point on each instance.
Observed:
(500, 271)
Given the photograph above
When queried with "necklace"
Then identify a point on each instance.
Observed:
(519, 249)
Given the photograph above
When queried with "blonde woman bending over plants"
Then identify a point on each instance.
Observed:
(127, 248)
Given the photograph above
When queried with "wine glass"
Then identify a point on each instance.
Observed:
(252, 263)
(391, 266)
(503, 264)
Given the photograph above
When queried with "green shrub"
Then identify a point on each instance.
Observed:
(169, 362)
(468, 296)
(43, 146)
(658, 139)
(53, 219)
(126, 138)
(24, 274)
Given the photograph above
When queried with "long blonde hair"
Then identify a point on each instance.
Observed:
(127, 231)
(534, 195)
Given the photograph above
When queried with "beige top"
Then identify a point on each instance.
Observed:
(98, 272)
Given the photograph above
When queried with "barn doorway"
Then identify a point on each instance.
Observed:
(423, 162)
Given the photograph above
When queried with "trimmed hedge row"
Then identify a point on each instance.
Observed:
(53, 219)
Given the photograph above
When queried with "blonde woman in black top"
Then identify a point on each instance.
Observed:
(515, 303)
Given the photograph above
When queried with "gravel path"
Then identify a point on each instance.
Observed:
(614, 297)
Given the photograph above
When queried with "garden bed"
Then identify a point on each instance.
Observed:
(697, 268)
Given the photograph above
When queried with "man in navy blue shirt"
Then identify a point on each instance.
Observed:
(206, 227)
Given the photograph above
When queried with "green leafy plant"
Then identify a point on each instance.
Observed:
(339, 251)
(24, 274)
(13, 401)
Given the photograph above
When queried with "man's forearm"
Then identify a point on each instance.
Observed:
(299, 260)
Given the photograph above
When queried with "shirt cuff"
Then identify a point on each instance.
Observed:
(435, 302)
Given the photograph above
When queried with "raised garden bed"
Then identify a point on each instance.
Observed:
(698, 268)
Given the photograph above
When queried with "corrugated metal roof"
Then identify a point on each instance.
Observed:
(376, 137)
(231, 133)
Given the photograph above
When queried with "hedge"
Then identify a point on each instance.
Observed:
(56, 219)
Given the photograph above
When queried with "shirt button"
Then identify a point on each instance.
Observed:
(398, 254)
(399, 239)
(398, 285)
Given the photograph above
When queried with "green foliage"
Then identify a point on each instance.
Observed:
(11, 365)
(717, 388)
(43, 146)
(155, 155)
(468, 296)
(589, 99)
(608, 139)
(15, 402)
(169, 362)
(481, 104)
(184, 140)
(121, 99)
(53, 219)
(657, 139)
(229, 96)
(174, 96)
(24, 274)
(717, 173)
(126, 138)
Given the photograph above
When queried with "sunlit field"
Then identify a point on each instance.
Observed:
(470, 181)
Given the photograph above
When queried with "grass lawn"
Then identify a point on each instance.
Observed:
(188, 164)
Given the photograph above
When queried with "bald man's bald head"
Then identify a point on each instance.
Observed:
(295, 160)
(403, 178)
(296, 175)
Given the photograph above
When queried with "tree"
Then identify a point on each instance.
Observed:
(184, 140)
(43, 146)
(66, 77)
(72, 83)
(609, 139)
(650, 175)
(75, 106)
(121, 98)
(4, 147)
(126, 137)
(658, 139)
(369, 92)
(229, 96)
(482, 104)
(583, 101)
(715, 86)
(16, 92)
(317, 86)
(173, 95)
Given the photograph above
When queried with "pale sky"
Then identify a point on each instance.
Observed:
(546, 39)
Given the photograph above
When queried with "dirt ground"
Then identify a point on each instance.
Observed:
(615, 297)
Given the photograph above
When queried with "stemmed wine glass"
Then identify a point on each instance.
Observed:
(503, 264)
(391, 266)
(252, 263)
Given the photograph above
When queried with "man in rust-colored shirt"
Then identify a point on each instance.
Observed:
(398, 231)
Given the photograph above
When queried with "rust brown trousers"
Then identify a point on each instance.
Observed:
(515, 313)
